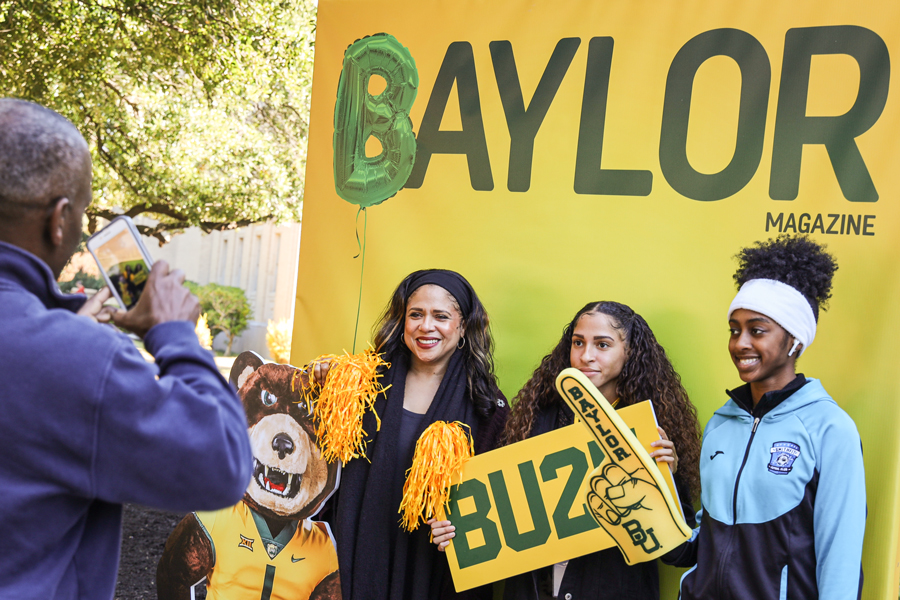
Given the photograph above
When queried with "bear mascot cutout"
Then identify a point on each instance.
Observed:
(266, 546)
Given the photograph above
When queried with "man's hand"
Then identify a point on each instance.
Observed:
(94, 309)
(164, 299)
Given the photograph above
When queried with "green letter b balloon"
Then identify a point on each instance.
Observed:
(364, 180)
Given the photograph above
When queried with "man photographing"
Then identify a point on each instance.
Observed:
(87, 423)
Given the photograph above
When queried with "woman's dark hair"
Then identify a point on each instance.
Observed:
(647, 374)
(796, 260)
(478, 351)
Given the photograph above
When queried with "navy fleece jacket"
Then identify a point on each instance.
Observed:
(87, 424)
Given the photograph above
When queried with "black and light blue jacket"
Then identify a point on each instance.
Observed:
(784, 501)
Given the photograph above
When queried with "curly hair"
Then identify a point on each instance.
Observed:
(795, 260)
(647, 374)
(481, 382)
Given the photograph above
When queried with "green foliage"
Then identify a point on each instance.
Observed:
(226, 308)
(86, 279)
(196, 112)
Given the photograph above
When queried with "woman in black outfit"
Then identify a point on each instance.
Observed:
(436, 336)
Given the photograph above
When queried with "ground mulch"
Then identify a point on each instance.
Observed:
(144, 534)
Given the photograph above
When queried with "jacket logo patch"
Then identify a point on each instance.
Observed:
(783, 456)
(246, 543)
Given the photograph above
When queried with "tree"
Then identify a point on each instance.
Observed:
(196, 111)
(227, 309)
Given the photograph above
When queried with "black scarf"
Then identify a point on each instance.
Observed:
(378, 560)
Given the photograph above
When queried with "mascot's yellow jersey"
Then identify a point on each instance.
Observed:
(249, 563)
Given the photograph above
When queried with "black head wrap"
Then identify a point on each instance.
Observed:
(451, 281)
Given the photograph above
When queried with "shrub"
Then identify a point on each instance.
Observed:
(227, 309)
(86, 279)
(278, 339)
(203, 333)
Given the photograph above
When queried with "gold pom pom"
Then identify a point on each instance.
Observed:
(442, 450)
(350, 389)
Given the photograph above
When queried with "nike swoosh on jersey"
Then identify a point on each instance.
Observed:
(297, 559)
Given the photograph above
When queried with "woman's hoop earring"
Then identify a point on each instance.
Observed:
(461, 344)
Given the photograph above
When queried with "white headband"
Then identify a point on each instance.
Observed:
(781, 302)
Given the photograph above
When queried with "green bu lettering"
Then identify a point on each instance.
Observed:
(495, 494)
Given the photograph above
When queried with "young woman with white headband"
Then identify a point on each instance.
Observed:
(781, 467)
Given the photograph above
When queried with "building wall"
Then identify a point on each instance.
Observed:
(261, 259)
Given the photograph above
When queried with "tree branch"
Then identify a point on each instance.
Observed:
(118, 93)
(157, 231)
(159, 209)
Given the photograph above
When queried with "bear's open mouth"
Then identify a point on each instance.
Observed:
(276, 481)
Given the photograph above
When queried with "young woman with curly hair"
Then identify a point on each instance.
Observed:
(784, 494)
(435, 334)
(615, 348)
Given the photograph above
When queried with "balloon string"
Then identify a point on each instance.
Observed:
(362, 266)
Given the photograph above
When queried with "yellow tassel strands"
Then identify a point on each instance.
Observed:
(442, 450)
(350, 389)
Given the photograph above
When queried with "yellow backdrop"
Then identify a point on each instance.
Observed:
(538, 253)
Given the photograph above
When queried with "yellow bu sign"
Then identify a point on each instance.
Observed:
(522, 507)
